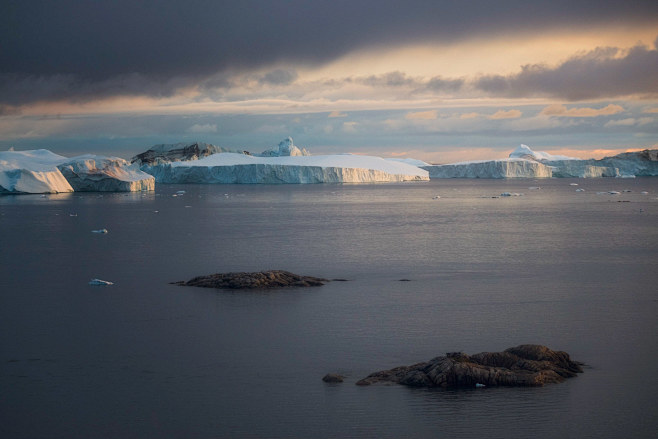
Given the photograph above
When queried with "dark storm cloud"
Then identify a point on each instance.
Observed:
(86, 49)
(279, 77)
(603, 72)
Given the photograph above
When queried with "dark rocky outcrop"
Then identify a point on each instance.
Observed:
(167, 153)
(333, 378)
(525, 365)
(259, 279)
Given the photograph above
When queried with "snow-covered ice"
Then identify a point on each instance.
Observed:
(285, 148)
(93, 173)
(241, 168)
(100, 282)
(502, 168)
(32, 172)
(524, 152)
(41, 171)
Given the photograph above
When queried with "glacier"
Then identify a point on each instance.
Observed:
(234, 168)
(41, 171)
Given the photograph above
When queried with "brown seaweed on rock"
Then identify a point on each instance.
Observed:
(524, 365)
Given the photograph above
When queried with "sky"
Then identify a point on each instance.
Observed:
(436, 80)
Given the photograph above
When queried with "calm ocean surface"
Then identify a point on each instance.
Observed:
(576, 271)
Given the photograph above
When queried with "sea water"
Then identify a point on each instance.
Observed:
(576, 271)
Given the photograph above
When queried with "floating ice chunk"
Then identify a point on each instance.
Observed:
(573, 184)
(180, 192)
(644, 193)
(100, 282)
(510, 194)
(479, 385)
(99, 231)
(613, 192)
(534, 188)
(436, 197)
(580, 190)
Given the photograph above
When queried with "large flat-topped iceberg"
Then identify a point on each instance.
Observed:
(241, 168)
(503, 168)
(32, 172)
(41, 171)
(523, 162)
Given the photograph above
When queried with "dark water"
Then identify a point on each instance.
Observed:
(142, 359)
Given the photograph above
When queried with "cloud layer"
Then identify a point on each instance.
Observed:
(87, 50)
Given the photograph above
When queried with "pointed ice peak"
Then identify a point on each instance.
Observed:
(285, 148)
(524, 152)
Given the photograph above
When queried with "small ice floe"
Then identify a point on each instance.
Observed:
(99, 231)
(644, 193)
(180, 193)
(510, 194)
(613, 192)
(174, 195)
(187, 207)
(156, 211)
(479, 385)
(580, 190)
(73, 214)
(573, 184)
(100, 282)
(436, 197)
(534, 188)
(627, 190)
(43, 196)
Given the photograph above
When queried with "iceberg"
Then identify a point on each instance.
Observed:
(523, 162)
(41, 171)
(32, 172)
(625, 165)
(503, 168)
(233, 168)
(285, 148)
(524, 152)
(92, 173)
(100, 282)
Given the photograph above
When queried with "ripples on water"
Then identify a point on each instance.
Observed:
(574, 271)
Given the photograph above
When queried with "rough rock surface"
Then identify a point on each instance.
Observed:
(259, 279)
(333, 378)
(167, 153)
(525, 365)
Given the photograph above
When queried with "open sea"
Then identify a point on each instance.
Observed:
(576, 271)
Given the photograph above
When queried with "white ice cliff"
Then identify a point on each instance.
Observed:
(523, 162)
(41, 171)
(241, 168)
(31, 172)
(94, 173)
(503, 168)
